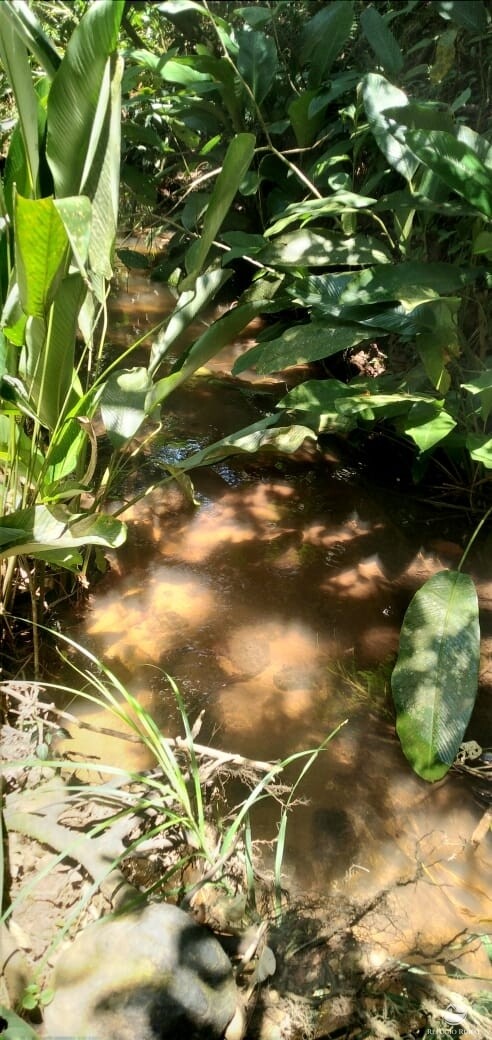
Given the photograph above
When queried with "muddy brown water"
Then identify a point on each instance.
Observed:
(276, 606)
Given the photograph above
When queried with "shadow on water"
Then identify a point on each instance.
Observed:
(276, 606)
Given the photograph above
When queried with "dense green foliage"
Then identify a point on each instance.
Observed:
(364, 217)
(330, 161)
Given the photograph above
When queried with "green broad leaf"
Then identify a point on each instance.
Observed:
(255, 16)
(299, 345)
(369, 406)
(378, 96)
(101, 177)
(411, 283)
(315, 248)
(434, 681)
(218, 335)
(69, 443)
(257, 62)
(123, 404)
(427, 424)
(242, 244)
(261, 436)
(187, 307)
(42, 527)
(16, 1028)
(183, 71)
(76, 214)
(40, 252)
(381, 40)
(69, 559)
(315, 403)
(323, 38)
(479, 144)
(30, 31)
(482, 385)
(456, 164)
(306, 124)
(480, 448)
(74, 98)
(15, 61)
(313, 209)
(471, 14)
(49, 366)
(236, 162)
(483, 244)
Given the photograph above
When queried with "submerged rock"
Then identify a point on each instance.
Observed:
(153, 974)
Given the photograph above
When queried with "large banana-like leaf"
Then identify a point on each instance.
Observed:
(14, 58)
(323, 38)
(74, 99)
(434, 681)
(218, 335)
(41, 528)
(103, 180)
(25, 23)
(236, 162)
(41, 247)
(260, 436)
(299, 345)
(123, 404)
(314, 247)
(379, 95)
(456, 164)
(257, 62)
(188, 306)
(382, 41)
(49, 357)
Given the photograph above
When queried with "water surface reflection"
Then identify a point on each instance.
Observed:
(276, 606)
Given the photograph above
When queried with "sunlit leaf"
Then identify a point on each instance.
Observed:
(313, 209)
(299, 345)
(427, 424)
(480, 448)
(482, 385)
(411, 282)
(123, 404)
(456, 164)
(76, 214)
(15, 61)
(379, 95)
(40, 249)
(237, 160)
(261, 436)
(55, 527)
(74, 98)
(218, 335)
(434, 681)
(309, 247)
(187, 307)
(16, 1028)
(315, 403)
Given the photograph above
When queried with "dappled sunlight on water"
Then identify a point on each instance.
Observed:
(276, 605)
(140, 622)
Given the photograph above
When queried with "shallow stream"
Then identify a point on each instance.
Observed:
(276, 606)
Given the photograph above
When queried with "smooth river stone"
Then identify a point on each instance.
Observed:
(151, 975)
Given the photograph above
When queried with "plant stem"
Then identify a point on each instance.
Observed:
(473, 537)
